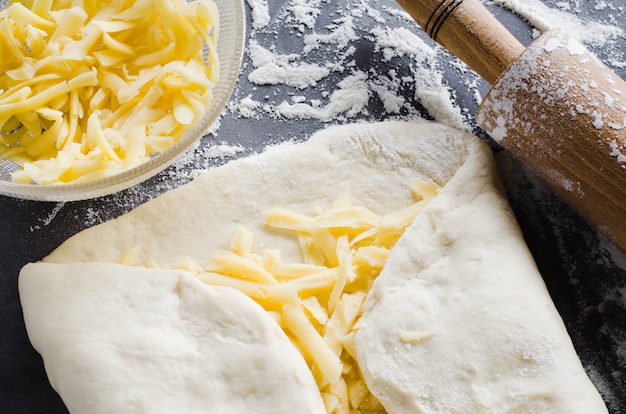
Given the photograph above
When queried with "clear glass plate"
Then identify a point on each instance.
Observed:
(230, 46)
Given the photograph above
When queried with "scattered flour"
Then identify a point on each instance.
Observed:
(545, 18)
(289, 70)
(358, 84)
(48, 219)
(260, 13)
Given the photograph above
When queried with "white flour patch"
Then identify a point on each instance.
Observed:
(260, 13)
(349, 99)
(544, 18)
(51, 216)
(276, 69)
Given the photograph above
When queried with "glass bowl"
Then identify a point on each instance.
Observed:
(230, 45)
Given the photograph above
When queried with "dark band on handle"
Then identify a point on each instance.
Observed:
(439, 17)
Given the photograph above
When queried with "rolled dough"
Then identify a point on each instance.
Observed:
(120, 339)
(461, 271)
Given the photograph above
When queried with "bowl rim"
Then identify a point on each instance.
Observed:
(159, 162)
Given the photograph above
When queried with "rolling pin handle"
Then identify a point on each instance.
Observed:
(469, 31)
(439, 17)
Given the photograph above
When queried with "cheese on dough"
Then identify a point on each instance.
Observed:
(120, 339)
(459, 319)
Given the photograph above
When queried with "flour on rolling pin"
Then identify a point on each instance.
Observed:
(563, 113)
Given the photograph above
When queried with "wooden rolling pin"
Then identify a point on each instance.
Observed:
(553, 105)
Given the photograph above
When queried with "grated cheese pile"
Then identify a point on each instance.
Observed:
(89, 88)
(319, 300)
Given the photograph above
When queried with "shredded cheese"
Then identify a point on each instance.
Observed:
(123, 80)
(318, 301)
(416, 337)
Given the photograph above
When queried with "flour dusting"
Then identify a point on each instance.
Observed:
(51, 216)
(564, 17)
(331, 53)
